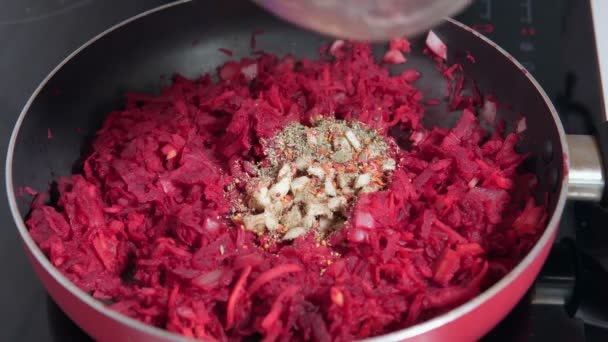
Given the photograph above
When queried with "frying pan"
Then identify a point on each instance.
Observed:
(184, 37)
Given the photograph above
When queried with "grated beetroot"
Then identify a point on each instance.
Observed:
(146, 226)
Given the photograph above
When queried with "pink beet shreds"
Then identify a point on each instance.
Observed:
(147, 226)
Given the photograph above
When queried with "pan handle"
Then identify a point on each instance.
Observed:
(586, 176)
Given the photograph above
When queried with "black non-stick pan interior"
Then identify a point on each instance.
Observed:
(144, 54)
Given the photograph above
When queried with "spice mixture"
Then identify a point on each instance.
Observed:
(313, 179)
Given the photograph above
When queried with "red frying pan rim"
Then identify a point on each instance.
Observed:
(394, 336)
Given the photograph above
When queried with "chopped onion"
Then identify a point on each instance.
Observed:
(211, 225)
(521, 125)
(488, 111)
(364, 220)
(324, 224)
(166, 185)
(250, 72)
(436, 45)
(208, 279)
(410, 75)
(394, 57)
(357, 235)
(400, 44)
(335, 46)
(417, 137)
(336, 296)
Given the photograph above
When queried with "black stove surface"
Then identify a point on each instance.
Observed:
(552, 38)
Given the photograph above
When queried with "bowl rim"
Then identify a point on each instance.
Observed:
(398, 335)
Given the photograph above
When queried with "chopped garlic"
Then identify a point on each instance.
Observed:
(330, 189)
(389, 165)
(317, 209)
(299, 183)
(270, 221)
(311, 139)
(261, 199)
(308, 221)
(345, 180)
(336, 203)
(362, 180)
(280, 189)
(341, 144)
(316, 171)
(324, 224)
(292, 218)
(254, 222)
(301, 164)
(354, 141)
(285, 171)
